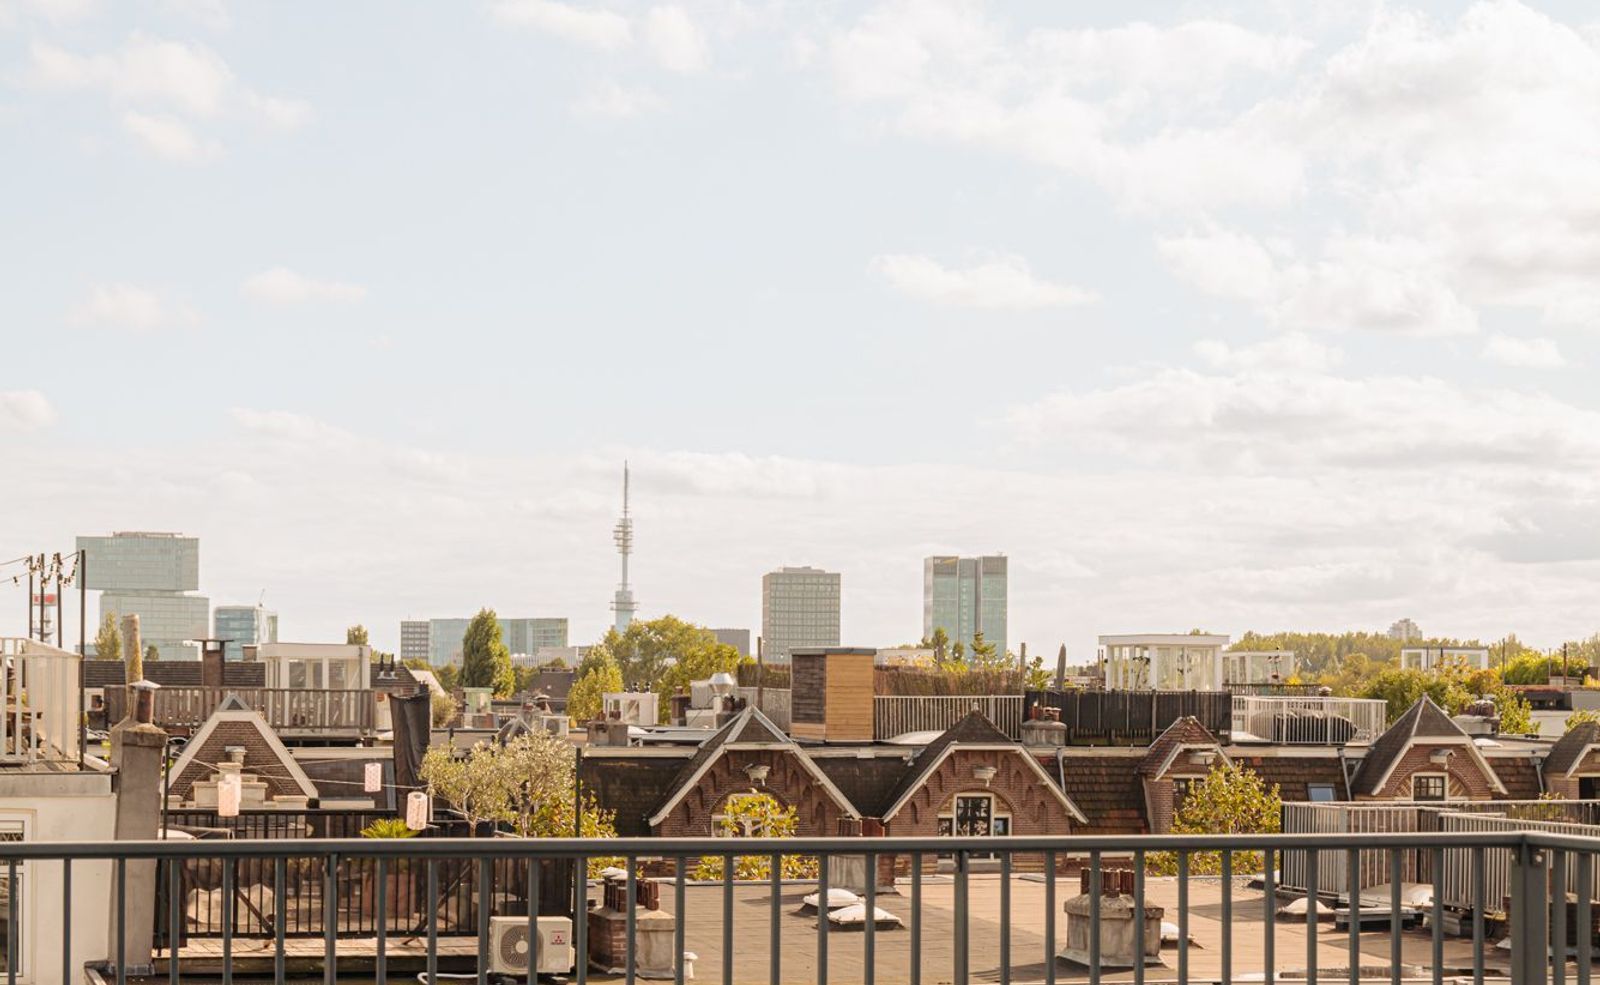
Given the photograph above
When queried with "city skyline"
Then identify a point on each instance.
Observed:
(1279, 312)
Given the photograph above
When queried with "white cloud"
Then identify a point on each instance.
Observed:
(676, 41)
(1259, 420)
(946, 71)
(25, 410)
(300, 429)
(170, 138)
(583, 25)
(1001, 282)
(187, 77)
(285, 114)
(133, 307)
(281, 285)
(1286, 353)
(1435, 167)
(1523, 353)
(1357, 283)
(612, 101)
(151, 79)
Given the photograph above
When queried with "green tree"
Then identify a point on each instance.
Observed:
(663, 655)
(356, 635)
(756, 815)
(152, 653)
(939, 643)
(1229, 800)
(1582, 716)
(982, 653)
(108, 641)
(485, 661)
(585, 700)
(448, 676)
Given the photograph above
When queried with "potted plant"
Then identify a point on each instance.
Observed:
(400, 896)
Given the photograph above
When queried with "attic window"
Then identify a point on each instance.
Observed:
(1320, 793)
(1428, 786)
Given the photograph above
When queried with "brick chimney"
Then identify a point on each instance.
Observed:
(832, 696)
(211, 661)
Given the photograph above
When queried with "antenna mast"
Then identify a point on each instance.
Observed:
(622, 602)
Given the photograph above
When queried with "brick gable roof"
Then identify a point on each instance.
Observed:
(1186, 731)
(1567, 751)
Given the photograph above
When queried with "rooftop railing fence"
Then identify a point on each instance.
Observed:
(1549, 891)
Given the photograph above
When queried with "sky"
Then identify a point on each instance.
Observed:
(1207, 315)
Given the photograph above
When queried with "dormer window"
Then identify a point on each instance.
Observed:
(1429, 786)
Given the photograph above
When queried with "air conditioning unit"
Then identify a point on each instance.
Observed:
(508, 945)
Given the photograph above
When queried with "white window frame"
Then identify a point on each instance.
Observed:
(1443, 778)
(996, 812)
(22, 823)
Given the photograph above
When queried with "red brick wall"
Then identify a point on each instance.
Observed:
(816, 814)
(259, 758)
(1034, 810)
(1466, 779)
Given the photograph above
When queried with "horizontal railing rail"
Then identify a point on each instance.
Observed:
(440, 898)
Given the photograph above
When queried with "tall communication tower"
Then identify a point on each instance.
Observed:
(622, 602)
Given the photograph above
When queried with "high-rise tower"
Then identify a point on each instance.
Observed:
(622, 602)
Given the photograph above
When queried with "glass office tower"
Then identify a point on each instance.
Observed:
(965, 596)
(151, 575)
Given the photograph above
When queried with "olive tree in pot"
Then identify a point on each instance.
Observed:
(400, 885)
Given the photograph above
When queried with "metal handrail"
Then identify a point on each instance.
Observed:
(670, 847)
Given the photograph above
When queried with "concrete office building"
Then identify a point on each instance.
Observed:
(739, 639)
(414, 639)
(521, 635)
(242, 625)
(150, 575)
(799, 608)
(965, 596)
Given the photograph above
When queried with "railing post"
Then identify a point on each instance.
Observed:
(1529, 916)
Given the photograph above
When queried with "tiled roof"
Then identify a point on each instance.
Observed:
(632, 786)
(1519, 775)
(1186, 731)
(1108, 790)
(1423, 720)
(104, 673)
(870, 782)
(1564, 755)
(1294, 775)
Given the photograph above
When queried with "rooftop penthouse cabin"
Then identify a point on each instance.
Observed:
(308, 692)
(1163, 662)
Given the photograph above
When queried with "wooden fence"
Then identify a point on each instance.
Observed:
(1132, 717)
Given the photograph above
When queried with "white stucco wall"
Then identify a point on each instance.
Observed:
(61, 807)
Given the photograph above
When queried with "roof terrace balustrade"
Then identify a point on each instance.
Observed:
(435, 901)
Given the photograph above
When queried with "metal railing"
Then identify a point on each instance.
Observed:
(290, 711)
(1308, 720)
(894, 715)
(1000, 925)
